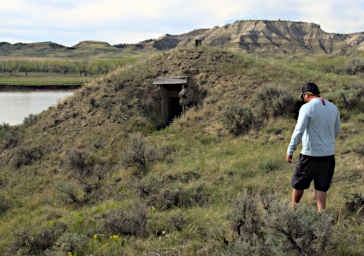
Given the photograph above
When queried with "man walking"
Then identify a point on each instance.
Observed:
(317, 126)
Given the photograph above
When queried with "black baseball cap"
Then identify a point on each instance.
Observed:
(310, 87)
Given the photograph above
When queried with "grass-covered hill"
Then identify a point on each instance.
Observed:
(99, 175)
(84, 49)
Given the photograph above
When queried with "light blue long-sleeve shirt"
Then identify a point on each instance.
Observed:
(317, 127)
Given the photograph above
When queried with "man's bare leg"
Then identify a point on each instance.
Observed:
(296, 196)
(321, 200)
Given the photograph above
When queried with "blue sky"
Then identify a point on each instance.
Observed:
(129, 21)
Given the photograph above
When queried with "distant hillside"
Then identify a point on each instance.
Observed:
(50, 49)
(262, 37)
(89, 44)
(32, 49)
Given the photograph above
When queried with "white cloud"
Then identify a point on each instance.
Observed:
(98, 12)
(333, 15)
(14, 40)
(13, 5)
(216, 12)
(129, 37)
(132, 21)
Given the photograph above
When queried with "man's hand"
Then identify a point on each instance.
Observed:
(289, 158)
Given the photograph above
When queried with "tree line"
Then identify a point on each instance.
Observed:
(83, 67)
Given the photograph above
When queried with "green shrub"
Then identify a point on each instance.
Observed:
(162, 153)
(79, 161)
(83, 168)
(140, 154)
(26, 156)
(169, 198)
(302, 231)
(87, 174)
(355, 66)
(247, 224)
(178, 221)
(348, 98)
(4, 130)
(276, 229)
(126, 222)
(271, 101)
(70, 193)
(269, 165)
(5, 204)
(149, 186)
(237, 119)
(355, 203)
(30, 242)
(134, 154)
(160, 225)
(30, 120)
(74, 243)
(184, 177)
(157, 193)
(9, 136)
(359, 149)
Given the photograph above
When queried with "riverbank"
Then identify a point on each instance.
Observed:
(40, 87)
(42, 81)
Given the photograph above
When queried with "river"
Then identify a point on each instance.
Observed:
(16, 105)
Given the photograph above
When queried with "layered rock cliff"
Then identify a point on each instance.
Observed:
(274, 37)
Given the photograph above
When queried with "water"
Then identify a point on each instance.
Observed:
(16, 105)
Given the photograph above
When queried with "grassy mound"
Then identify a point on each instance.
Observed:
(97, 175)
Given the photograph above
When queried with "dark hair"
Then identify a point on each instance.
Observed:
(312, 88)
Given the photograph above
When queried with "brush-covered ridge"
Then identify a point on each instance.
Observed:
(98, 175)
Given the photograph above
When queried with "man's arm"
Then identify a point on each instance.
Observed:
(337, 124)
(302, 122)
(289, 158)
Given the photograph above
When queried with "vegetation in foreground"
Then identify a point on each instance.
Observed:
(96, 174)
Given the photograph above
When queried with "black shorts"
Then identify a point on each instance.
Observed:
(319, 169)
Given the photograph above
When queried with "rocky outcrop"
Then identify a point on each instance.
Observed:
(273, 37)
